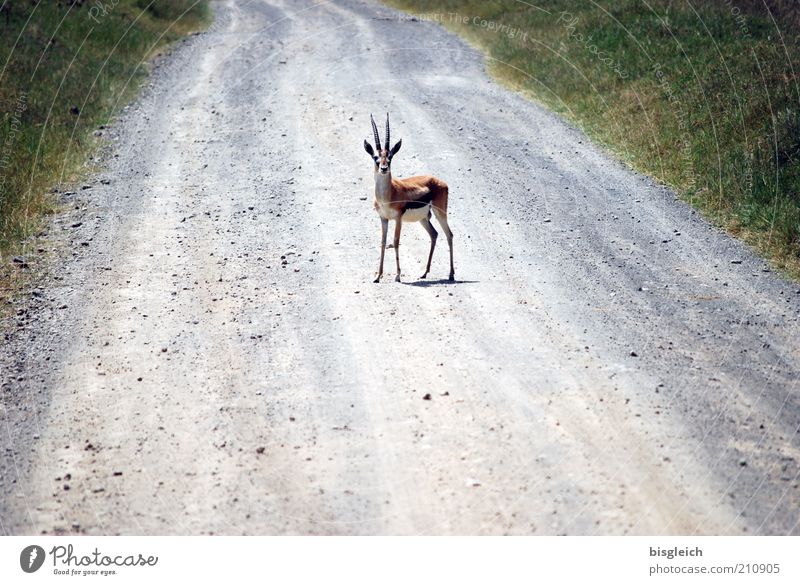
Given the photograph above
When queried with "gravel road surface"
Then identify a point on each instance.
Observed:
(208, 354)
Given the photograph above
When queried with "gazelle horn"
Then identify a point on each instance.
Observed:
(388, 145)
(375, 132)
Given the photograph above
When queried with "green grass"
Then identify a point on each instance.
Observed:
(68, 67)
(703, 96)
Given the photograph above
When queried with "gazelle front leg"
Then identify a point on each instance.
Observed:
(398, 224)
(384, 229)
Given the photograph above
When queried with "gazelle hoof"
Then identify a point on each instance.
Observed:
(452, 277)
(377, 280)
(397, 278)
(424, 276)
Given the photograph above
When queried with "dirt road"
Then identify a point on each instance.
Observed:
(209, 355)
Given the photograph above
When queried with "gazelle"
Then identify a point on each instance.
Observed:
(402, 200)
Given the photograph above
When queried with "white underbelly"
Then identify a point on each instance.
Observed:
(417, 214)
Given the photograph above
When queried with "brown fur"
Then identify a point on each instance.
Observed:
(415, 189)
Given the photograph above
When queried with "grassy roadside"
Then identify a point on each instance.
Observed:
(703, 96)
(65, 67)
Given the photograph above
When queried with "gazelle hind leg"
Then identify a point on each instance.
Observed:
(441, 217)
(426, 223)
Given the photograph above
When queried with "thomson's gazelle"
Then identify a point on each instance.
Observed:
(411, 199)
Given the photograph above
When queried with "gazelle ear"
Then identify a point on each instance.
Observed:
(368, 148)
(396, 148)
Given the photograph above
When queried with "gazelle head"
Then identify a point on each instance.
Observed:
(382, 156)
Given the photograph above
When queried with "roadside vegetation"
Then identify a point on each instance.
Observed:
(703, 95)
(65, 68)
